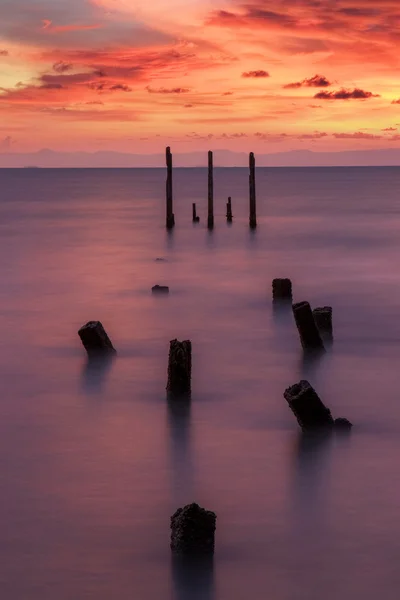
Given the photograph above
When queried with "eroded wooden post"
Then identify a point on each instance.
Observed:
(179, 368)
(252, 190)
(195, 218)
(210, 220)
(229, 215)
(308, 332)
(95, 339)
(170, 221)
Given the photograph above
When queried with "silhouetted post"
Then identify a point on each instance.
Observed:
(323, 319)
(309, 334)
(195, 219)
(179, 368)
(307, 407)
(281, 289)
(210, 220)
(252, 186)
(95, 339)
(170, 215)
(193, 531)
(229, 215)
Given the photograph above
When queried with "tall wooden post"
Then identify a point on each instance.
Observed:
(210, 220)
(229, 210)
(170, 222)
(252, 189)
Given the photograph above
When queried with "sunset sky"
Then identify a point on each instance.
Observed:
(266, 76)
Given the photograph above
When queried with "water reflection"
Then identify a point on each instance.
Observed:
(282, 311)
(312, 452)
(95, 371)
(179, 424)
(310, 362)
(193, 578)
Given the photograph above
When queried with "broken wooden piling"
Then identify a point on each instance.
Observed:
(307, 407)
(170, 221)
(95, 339)
(323, 319)
(179, 368)
(281, 290)
(252, 190)
(210, 219)
(308, 332)
(193, 531)
(195, 218)
(229, 215)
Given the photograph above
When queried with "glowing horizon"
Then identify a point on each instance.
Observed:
(265, 76)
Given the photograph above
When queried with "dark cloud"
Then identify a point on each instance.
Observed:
(256, 74)
(356, 94)
(52, 86)
(396, 101)
(120, 87)
(316, 81)
(177, 90)
(3, 52)
(62, 67)
(389, 129)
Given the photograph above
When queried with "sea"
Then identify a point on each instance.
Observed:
(94, 460)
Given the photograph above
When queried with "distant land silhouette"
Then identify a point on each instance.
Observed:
(222, 158)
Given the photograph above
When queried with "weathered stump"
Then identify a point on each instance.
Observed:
(170, 220)
(307, 407)
(193, 530)
(229, 215)
(252, 192)
(179, 368)
(309, 334)
(160, 289)
(210, 219)
(281, 289)
(95, 340)
(195, 218)
(323, 319)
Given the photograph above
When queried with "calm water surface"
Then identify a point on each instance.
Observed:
(93, 463)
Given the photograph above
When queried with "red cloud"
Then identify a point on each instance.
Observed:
(177, 90)
(316, 81)
(48, 26)
(396, 101)
(3, 52)
(256, 74)
(343, 94)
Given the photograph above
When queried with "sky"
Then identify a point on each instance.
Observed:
(262, 76)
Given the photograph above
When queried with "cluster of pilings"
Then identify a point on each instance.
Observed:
(170, 217)
(192, 527)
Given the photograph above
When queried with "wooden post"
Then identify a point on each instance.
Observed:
(307, 407)
(281, 290)
(229, 215)
(210, 220)
(193, 531)
(323, 320)
(170, 222)
(195, 219)
(252, 189)
(309, 334)
(95, 339)
(179, 368)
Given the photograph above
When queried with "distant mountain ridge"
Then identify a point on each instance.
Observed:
(222, 158)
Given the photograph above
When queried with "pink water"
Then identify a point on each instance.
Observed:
(94, 463)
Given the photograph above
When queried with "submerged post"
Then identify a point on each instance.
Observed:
(195, 218)
(252, 189)
(170, 222)
(179, 368)
(308, 332)
(210, 220)
(229, 215)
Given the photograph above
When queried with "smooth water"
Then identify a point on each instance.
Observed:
(94, 462)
